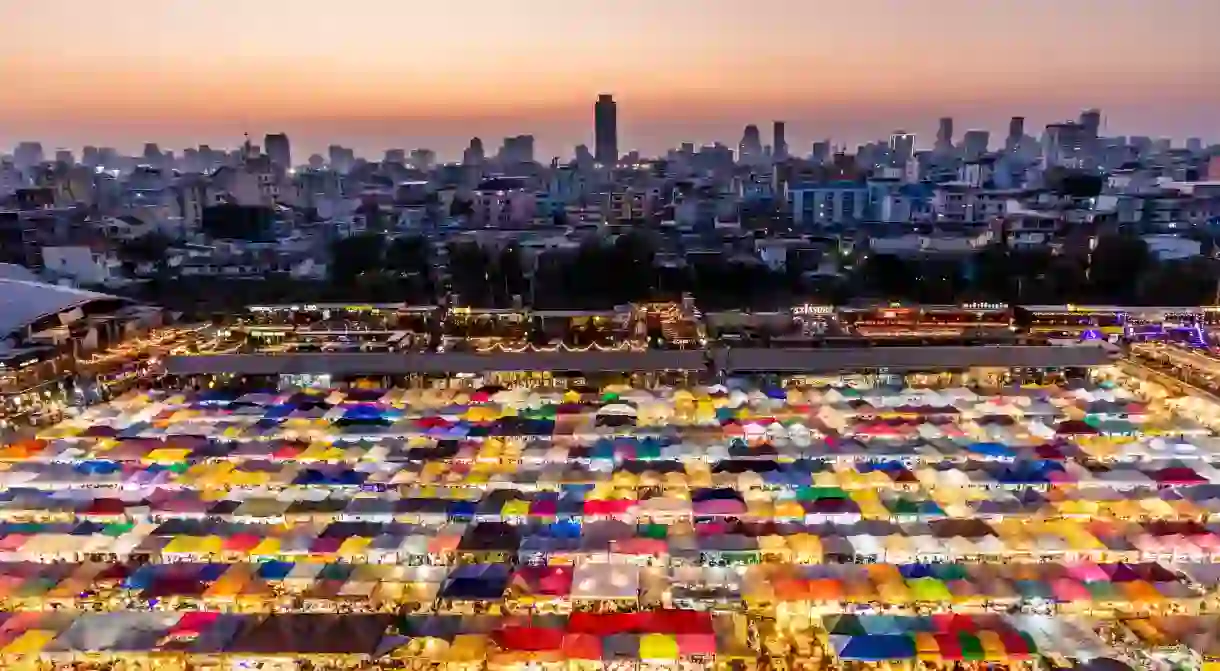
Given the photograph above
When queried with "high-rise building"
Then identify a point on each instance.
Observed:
(279, 150)
(27, 155)
(517, 149)
(152, 155)
(474, 154)
(341, 158)
(750, 148)
(820, 152)
(423, 159)
(902, 147)
(605, 129)
(1016, 133)
(1090, 121)
(944, 134)
(109, 156)
(65, 156)
(779, 143)
(974, 144)
(583, 156)
(1064, 144)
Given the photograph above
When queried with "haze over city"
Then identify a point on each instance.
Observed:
(126, 72)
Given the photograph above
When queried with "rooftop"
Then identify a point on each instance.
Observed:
(23, 302)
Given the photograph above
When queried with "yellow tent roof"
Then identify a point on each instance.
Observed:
(658, 646)
(29, 642)
(267, 546)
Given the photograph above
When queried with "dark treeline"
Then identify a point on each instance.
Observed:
(601, 273)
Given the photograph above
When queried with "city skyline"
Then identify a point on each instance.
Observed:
(136, 72)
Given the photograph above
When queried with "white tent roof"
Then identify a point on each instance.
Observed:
(606, 581)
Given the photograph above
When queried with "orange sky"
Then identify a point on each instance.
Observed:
(383, 73)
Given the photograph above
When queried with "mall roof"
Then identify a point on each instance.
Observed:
(731, 360)
(897, 359)
(363, 363)
(23, 302)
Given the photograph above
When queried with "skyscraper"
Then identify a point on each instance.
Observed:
(902, 147)
(779, 144)
(423, 159)
(750, 148)
(605, 129)
(974, 144)
(1064, 144)
(27, 155)
(1016, 133)
(517, 149)
(1090, 120)
(474, 154)
(152, 155)
(820, 153)
(944, 134)
(278, 149)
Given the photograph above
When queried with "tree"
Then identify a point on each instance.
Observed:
(1187, 282)
(151, 247)
(887, 276)
(633, 255)
(1115, 267)
(408, 254)
(461, 207)
(238, 222)
(470, 269)
(374, 218)
(510, 268)
(354, 256)
(1073, 183)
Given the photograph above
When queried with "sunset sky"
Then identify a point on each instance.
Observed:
(416, 73)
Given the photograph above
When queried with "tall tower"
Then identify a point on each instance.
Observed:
(1016, 133)
(944, 134)
(278, 149)
(750, 149)
(902, 147)
(779, 143)
(1090, 119)
(474, 154)
(605, 129)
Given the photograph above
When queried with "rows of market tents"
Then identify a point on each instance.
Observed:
(673, 544)
(602, 640)
(277, 586)
(615, 526)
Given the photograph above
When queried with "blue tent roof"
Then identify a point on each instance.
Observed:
(141, 578)
(477, 581)
(878, 647)
(98, 467)
(282, 410)
(275, 570)
(212, 571)
(992, 449)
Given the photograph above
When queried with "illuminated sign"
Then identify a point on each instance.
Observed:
(984, 306)
(813, 310)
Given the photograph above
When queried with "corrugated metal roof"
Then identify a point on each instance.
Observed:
(23, 302)
(362, 363)
(913, 358)
(739, 360)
